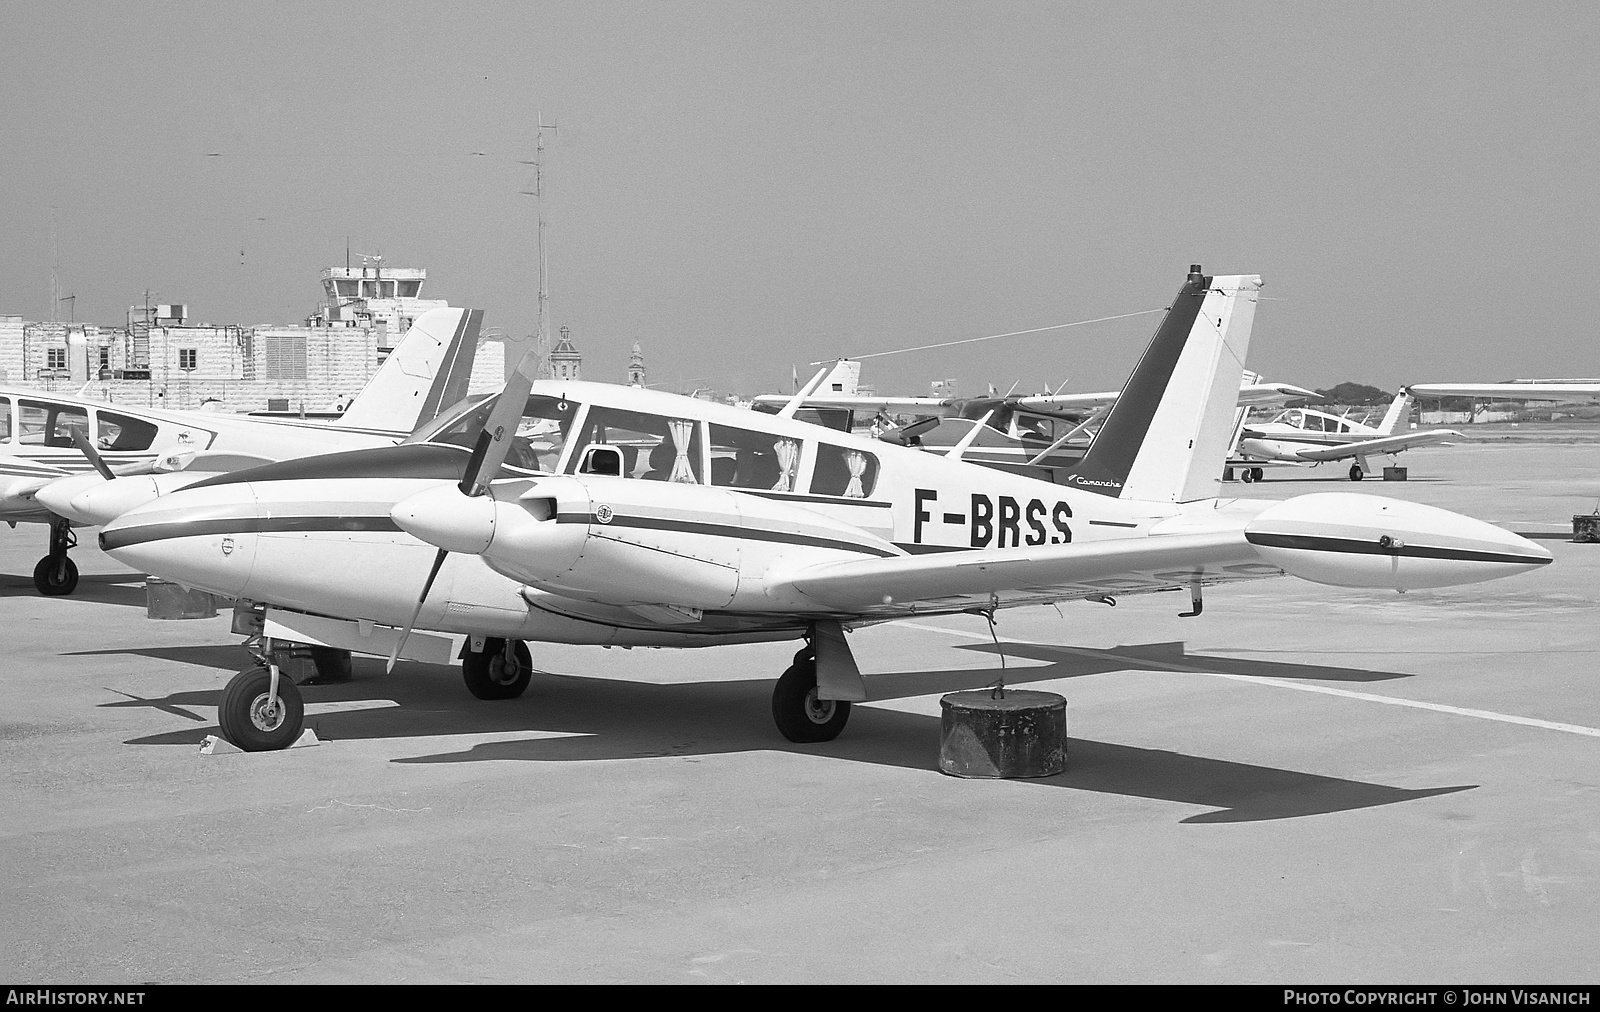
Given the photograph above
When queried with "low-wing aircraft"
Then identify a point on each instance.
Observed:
(595, 514)
(54, 449)
(1308, 436)
(1040, 435)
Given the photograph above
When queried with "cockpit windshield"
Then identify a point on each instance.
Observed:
(541, 434)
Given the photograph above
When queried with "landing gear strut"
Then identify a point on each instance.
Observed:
(501, 670)
(56, 574)
(797, 711)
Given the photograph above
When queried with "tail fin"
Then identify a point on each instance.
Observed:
(1399, 413)
(1167, 436)
(428, 370)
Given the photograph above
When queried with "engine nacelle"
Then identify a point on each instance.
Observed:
(1351, 540)
(627, 541)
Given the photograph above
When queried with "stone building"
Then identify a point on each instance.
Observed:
(565, 362)
(636, 367)
(161, 359)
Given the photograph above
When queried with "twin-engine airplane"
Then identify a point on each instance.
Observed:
(595, 514)
(66, 461)
(1308, 436)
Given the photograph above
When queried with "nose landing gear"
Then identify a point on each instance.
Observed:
(500, 670)
(56, 574)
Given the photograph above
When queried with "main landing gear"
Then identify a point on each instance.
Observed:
(261, 709)
(1250, 474)
(56, 574)
(1356, 473)
(498, 669)
(797, 711)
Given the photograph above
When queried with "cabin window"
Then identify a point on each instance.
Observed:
(843, 471)
(51, 424)
(541, 432)
(5, 419)
(744, 458)
(653, 447)
(121, 432)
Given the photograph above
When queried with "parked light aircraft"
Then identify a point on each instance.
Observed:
(640, 518)
(1563, 390)
(54, 449)
(1308, 436)
(1041, 435)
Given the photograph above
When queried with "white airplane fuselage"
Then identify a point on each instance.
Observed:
(637, 560)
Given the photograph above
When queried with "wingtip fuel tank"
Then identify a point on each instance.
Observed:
(1351, 540)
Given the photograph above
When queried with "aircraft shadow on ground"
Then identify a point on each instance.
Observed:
(605, 719)
(126, 589)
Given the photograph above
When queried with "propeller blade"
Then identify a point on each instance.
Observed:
(405, 634)
(501, 426)
(86, 448)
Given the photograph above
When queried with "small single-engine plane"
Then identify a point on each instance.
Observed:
(595, 514)
(66, 461)
(1308, 436)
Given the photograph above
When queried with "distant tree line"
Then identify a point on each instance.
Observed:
(1346, 393)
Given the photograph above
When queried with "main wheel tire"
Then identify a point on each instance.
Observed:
(250, 722)
(1356, 474)
(1247, 475)
(54, 580)
(333, 665)
(489, 676)
(1259, 473)
(799, 714)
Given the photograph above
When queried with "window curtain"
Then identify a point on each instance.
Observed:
(788, 451)
(682, 431)
(858, 466)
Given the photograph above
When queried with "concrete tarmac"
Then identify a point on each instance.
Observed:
(1305, 784)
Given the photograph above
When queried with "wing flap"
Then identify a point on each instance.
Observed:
(953, 581)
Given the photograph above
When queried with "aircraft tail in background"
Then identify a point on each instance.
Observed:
(1167, 436)
(1398, 415)
(428, 371)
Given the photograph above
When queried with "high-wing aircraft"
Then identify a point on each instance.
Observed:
(1564, 390)
(595, 514)
(54, 449)
(1308, 436)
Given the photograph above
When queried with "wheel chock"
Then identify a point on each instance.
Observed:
(214, 745)
(218, 746)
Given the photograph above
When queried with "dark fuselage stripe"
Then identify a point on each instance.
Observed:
(123, 537)
(1350, 546)
(721, 531)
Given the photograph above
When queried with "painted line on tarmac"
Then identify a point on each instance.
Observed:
(1138, 663)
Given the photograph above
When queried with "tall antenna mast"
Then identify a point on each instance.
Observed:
(542, 338)
(55, 266)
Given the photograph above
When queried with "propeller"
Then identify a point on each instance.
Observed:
(86, 448)
(488, 453)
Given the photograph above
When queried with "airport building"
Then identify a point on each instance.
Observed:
(161, 358)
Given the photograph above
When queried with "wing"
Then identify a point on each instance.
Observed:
(1075, 402)
(1551, 391)
(862, 402)
(1373, 447)
(955, 581)
(1262, 394)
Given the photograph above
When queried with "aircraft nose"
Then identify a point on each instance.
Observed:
(203, 538)
(447, 518)
(59, 496)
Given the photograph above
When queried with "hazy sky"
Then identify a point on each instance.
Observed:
(747, 186)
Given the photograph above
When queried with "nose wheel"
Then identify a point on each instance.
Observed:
(799, 714)
(255, 719)
(56, 575)
(501, 670)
